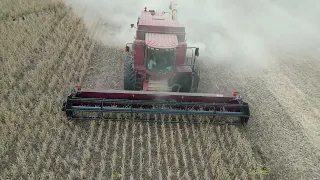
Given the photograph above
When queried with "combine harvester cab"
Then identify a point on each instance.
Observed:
(160, 82)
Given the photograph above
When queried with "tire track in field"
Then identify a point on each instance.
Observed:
(304, 73)
(296, 104)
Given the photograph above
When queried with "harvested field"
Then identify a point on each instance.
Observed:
(45, 47)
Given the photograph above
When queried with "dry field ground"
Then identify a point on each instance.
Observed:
(45, 47)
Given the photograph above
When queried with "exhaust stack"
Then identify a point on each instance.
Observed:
(173, 7)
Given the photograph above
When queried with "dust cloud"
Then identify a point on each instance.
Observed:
(241, 32)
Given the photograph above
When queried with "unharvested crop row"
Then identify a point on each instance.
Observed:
(13, 10)
(39, 59)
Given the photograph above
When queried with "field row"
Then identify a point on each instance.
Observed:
(42, 55)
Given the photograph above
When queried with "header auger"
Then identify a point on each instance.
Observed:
(160, 82)
(152, 106)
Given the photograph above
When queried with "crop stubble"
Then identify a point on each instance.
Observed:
(284, 105)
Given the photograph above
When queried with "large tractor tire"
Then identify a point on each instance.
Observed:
(129, 80)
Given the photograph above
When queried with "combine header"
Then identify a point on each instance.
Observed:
(160, 82)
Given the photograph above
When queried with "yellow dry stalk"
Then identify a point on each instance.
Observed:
(116, 175)
(158, 143)
(261, 170)
(114, 153)
(4, 146)
(174, 151)
(124, 145)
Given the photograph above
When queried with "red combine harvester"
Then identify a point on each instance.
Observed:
(160, 81)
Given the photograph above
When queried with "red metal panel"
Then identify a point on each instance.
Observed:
(138, 56)
(142, 30)
(163, 20)
(145, 85)
(181, 54)
(152, 97)
(148, 95)
(161, 40)
(159, 24)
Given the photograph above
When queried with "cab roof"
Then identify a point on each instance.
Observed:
(161, 41)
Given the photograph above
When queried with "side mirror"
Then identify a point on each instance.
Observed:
(127, 49)
(132, 25)
(197, 52)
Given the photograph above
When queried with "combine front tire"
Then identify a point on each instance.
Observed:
(129, 74)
